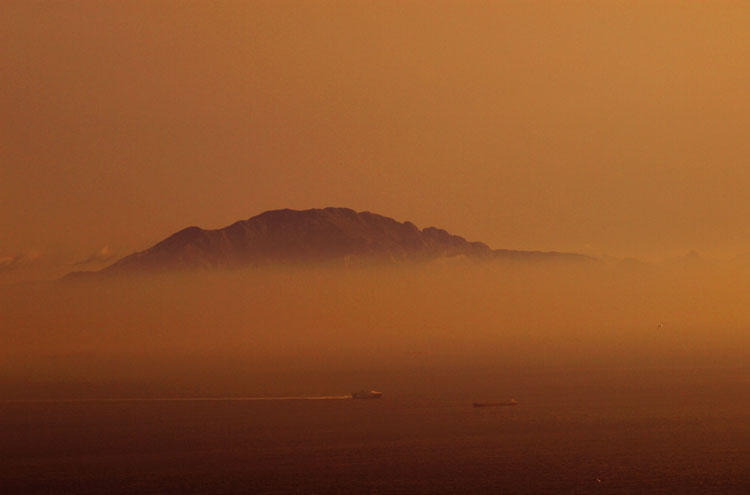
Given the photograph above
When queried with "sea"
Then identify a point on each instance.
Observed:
(655, 431)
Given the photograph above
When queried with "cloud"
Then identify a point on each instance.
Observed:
(10, 263)
(103, 255)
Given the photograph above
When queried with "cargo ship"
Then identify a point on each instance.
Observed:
(372, 394)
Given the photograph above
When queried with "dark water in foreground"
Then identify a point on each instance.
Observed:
(688, 436)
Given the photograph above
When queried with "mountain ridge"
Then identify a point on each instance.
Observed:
(309, 236)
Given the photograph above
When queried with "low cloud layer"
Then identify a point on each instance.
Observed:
(294, 331)
(11, 263)
(103, 255)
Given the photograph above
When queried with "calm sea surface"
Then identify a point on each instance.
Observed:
(679, 435)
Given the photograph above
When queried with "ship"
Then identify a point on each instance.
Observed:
(362, 394)
(512, 402)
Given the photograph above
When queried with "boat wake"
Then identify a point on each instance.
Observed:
(183, 399)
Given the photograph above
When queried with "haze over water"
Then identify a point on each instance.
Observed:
(603, 392)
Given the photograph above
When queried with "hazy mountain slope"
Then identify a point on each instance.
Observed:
(309, 236)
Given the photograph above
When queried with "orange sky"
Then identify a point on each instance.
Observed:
(593, 126)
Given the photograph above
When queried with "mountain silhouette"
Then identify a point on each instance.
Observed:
(338, 235)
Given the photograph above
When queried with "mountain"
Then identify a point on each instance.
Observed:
(338, 235)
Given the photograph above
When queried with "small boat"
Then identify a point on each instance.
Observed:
(372, 394)
(512, 402)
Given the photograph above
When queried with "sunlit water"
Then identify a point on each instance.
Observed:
(683, 434)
